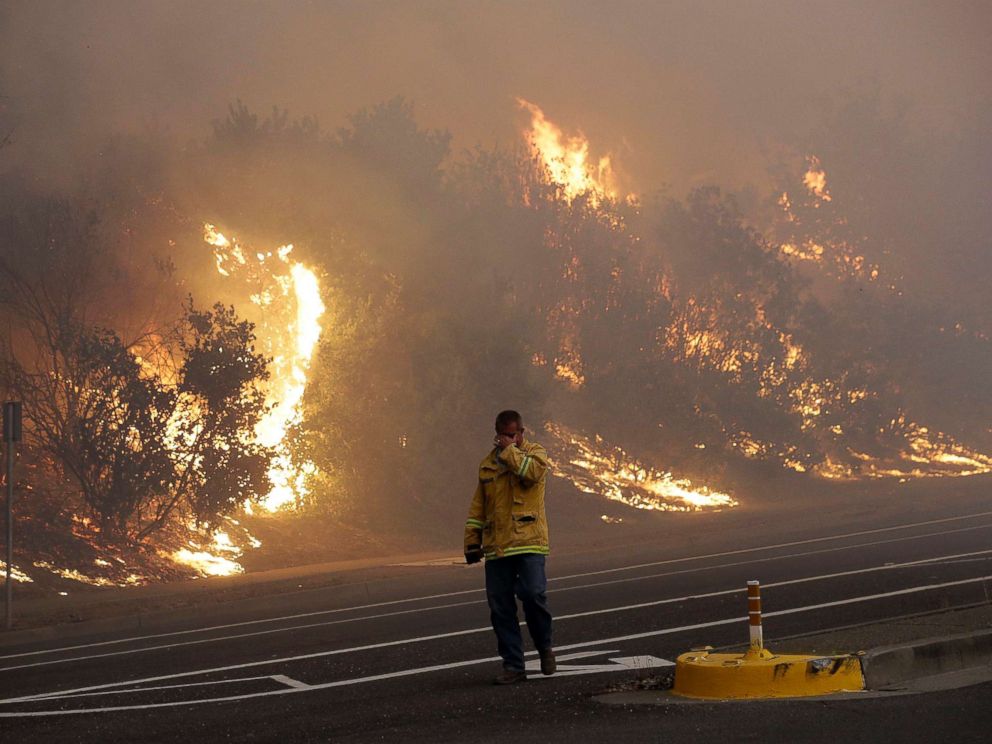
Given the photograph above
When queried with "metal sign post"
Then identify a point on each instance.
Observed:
(11, 434)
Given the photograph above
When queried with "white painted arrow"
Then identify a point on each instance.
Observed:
(618, 664)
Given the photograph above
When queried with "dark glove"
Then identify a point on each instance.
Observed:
(473, 554)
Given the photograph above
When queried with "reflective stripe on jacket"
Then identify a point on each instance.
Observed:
(507, 513)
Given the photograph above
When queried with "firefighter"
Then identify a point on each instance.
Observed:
(507, 526)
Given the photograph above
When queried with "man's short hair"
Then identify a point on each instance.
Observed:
(506, 417)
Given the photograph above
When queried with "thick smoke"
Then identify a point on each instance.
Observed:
(691, 93)
(458, 280)
(682, 95)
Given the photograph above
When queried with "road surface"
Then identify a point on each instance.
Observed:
(411, 658)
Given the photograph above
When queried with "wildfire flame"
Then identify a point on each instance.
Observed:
(697, 336)
(216, 559)
(836, 254)
(594, 467)
(566, 159)
(928, 454)
(16, 574)
(815, 179)
(925, 453)
(74, 575)
(289, 331)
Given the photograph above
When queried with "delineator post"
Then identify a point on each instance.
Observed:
(756, 649)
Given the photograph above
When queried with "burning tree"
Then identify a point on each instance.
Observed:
(147, 430)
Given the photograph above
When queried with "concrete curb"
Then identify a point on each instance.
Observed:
(891, 665)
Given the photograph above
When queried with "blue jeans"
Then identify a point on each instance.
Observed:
(506, 579)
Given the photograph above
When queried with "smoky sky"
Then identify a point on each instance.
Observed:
(680, 93)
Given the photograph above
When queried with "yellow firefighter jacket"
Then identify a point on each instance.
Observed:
(507, 513)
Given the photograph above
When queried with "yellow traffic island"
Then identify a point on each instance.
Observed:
(759, 673)
(701, 674)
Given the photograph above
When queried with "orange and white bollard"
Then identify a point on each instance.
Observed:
(754, 615)
(757, 648)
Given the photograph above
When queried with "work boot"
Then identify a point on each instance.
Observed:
(510, 677)
(548, 663)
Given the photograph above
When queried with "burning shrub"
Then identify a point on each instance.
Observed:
(142, 441)
(218, 464)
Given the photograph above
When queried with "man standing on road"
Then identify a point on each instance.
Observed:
(507, 526)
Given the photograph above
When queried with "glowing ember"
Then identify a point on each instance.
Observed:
(288, 332)
(15, 573)
(569, 370)
(566, 159)
(807, 251)
(609, 471)
(74, 575)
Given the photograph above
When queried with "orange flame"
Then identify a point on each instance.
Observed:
(566, 159)
(835, 255)
(815, 179)
(295, 297)
(594, 467)
(216, 559)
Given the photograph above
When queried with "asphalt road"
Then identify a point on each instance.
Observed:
(411, 657)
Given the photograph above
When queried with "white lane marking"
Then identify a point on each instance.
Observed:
(438, 636)
(264, 662)
(784, 556)
(290, 682)
(287, 691)
(576, 655)
(792, 611)
(156, 688)
(431, 608)
(438, 667)
(741, 590)
(587, 613)
(164, 646)
(781, 545)
(551, 580)
(618, 664)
